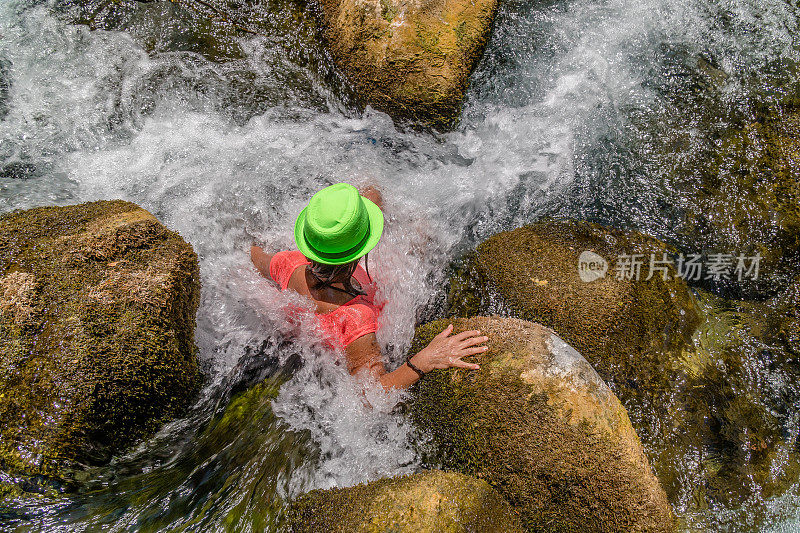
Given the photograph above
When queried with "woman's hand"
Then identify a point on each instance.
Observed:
(445, 351)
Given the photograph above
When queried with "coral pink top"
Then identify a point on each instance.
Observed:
(349, 321)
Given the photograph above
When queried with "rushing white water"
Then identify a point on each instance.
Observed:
(546, 130)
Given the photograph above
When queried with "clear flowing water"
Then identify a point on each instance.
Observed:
(222, 122)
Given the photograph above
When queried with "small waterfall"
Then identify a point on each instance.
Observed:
(225, 134)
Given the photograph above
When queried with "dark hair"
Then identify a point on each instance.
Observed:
(327, 275)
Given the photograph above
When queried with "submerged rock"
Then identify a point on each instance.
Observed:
(729, 430)
(409, 58)
(538, 423)
(97, 322)
(248, 455)
(740, 194)
(629, 329)
(786, 319)
(5, 86)
(247, 57)
(427, 502)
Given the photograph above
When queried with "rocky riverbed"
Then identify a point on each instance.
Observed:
(551, 136)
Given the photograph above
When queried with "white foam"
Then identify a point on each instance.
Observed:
(98, 117)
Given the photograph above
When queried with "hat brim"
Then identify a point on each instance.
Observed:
(375, 231)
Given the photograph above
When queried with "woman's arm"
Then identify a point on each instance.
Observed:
(261, 260)
(443, 351)
(370, 192)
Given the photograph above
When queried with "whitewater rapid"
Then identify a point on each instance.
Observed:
(547, 130)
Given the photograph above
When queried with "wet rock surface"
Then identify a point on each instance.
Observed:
(97, 322)
(741, 195)
(409, 58)
(539, 424)
(700, 375)
(243, 58)
(628, 327)
(786, 327)
(427, 502)
(723, 428)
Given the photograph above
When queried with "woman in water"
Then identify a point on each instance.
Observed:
(337, 228)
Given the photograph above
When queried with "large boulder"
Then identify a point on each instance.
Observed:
(427, 502)
(629, 329)
(538, 423)
(707, 382)
(97, 322)
(409, 58)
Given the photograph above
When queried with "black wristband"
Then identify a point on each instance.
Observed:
(415, 368)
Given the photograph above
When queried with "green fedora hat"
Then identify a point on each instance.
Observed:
(338, 226)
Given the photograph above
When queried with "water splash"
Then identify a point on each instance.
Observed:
(225, 139)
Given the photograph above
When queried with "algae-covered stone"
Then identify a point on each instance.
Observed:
(538, 423)
(409, 58)
(786, 319)
(740, 195)
(725, 431)
(629, 329)
(427, 502)
(248, 455)
(96, 332)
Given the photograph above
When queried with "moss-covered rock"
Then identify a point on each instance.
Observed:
(785, 323)
(248, 454)
(538, 423)
(740, 194)
(96, 332)
(706, 381)
(725, 433)
(410, 59)
(628, 329)
(427, 502)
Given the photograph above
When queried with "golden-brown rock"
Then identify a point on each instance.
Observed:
(427, 502)
(629, 329)
(409, 58)
(96, 332)
(538, 423)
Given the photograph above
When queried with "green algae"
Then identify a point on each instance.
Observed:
(230, 472)
(253, 448)
(97, 345)
(741, 194)
(566, 459)
(247, 410)
(389, 10)
(730, 406)
(627, 329)
(427, 502)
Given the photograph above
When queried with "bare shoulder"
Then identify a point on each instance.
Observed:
(363, 352)
(370, 192)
